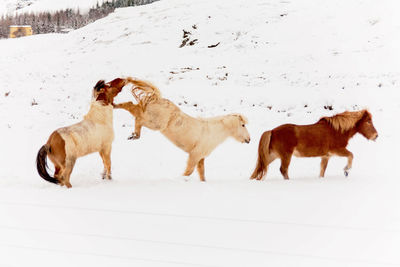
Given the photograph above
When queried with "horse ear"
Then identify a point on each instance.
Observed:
(243, 118)
(366, 114)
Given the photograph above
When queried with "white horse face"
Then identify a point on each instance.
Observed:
(240, 132)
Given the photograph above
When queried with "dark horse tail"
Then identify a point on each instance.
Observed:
(41, 165)
(262, 160)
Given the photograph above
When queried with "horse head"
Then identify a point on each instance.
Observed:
(106, 92)
(237, 127)
(366, 127)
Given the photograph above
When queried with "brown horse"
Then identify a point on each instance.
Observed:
(93, 134)
(326, 138)
(196, 136)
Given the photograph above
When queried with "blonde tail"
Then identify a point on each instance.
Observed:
(144, 92)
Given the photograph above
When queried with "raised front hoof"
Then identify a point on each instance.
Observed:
(346, 173)
(133, 136)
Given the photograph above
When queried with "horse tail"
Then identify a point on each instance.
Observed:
(41, 164)
(263, 153)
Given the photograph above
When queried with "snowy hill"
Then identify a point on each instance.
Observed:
(27, 6)
(276, 62)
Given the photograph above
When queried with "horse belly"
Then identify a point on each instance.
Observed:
(154, 120)
(88, 139)
(183, 135)
(313, 147)
(310, 152)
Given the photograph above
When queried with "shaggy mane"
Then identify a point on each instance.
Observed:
(144, 92)
(345, 121)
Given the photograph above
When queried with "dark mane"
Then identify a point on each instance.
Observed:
(100, 84)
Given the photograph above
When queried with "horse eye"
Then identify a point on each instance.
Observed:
(242, 125)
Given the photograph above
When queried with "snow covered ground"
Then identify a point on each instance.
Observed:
(276, 62)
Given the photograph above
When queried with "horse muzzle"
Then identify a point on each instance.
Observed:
(247, 141)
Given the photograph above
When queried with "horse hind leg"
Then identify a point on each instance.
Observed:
(324, 164)
(105, 155)
(66, 173)
(58, 173)
(285, 161)
(200, 169)
(271, 157)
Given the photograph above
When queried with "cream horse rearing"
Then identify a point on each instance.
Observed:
(93, 134)
(196, 136)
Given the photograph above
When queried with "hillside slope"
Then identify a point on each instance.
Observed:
(275, 62)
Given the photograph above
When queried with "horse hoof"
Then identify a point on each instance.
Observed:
(346, 173)
(133, 137)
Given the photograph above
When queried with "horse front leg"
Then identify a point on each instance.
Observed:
(125, 105)
(138, 129)
(324, 164)
(135, 110)
(105, 155)
(345, 153)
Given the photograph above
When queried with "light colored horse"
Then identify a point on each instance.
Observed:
(93, 134)
(196, 136)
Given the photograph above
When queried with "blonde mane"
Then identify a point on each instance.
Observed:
(344, 121)
(144, 92)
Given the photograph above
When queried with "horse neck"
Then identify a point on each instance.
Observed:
(98, 113)
(353, 131)
(221, 131)
(349, 134)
